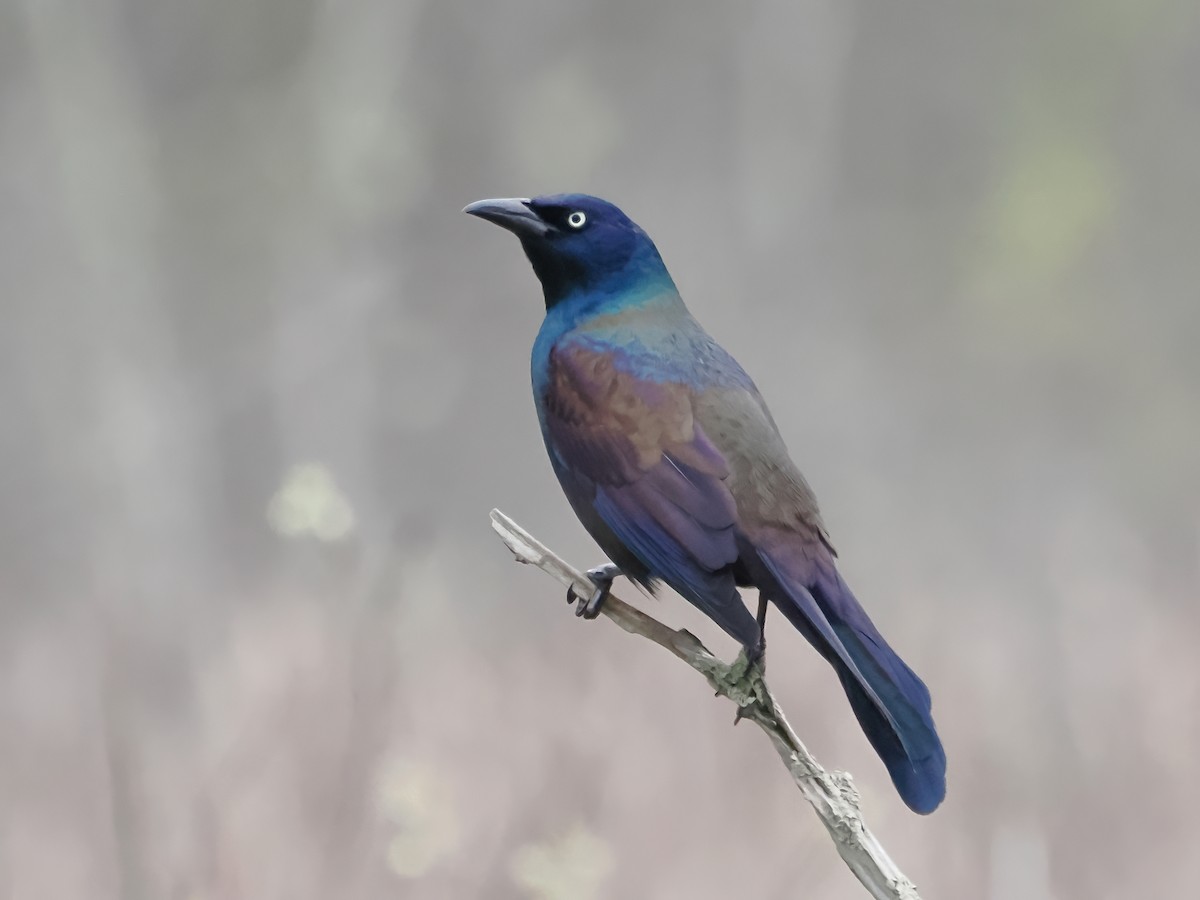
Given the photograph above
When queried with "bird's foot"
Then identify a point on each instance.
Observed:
(745, 681)
(602, 578)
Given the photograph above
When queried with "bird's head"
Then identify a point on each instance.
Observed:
(577, 244)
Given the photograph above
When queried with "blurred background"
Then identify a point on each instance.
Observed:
(261, 383)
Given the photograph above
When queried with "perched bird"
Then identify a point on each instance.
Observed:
(672, 462)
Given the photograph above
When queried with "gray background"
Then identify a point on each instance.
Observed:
(261, 382)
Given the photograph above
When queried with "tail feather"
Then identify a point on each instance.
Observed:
(891, 703)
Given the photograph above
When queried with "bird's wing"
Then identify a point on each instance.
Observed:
(659, 481)
(768, 487)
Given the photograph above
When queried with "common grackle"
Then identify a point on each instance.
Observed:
(672, 462)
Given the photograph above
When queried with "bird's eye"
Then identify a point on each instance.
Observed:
(577, 219)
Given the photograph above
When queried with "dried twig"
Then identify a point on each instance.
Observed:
(831, 794)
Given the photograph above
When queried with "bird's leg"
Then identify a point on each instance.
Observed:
(602, 577)
(755, 654)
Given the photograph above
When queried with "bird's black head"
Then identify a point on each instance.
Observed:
(577, 243)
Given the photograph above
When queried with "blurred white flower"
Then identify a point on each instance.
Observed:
(309, 502)
(572, 867)
(418, 800)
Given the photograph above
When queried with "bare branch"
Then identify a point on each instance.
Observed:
(832, 795)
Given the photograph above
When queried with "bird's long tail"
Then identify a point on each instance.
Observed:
(892, 704)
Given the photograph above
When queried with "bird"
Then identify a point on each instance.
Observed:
(672, 462)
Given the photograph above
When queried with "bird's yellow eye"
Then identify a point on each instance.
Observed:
(577, 219)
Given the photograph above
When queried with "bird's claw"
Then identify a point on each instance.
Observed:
(602, 579)
(745, 672)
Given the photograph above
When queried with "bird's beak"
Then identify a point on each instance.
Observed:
(512, 213)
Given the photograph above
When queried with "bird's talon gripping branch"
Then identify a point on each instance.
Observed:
(602, 577)
(743, 683)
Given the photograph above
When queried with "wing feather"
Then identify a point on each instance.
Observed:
(659, 482)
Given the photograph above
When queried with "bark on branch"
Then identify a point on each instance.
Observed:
(831, 794)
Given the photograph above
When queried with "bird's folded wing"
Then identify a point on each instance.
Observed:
(659, 481)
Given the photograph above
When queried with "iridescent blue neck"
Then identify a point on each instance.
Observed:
(620, 291)
(600, 273)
